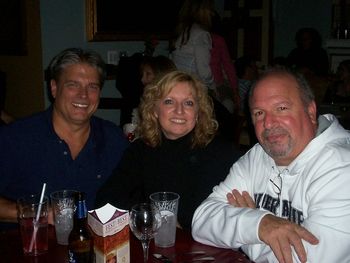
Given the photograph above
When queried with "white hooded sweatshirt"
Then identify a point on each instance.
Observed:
(315, 193)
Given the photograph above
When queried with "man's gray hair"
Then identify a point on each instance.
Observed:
(73, 56)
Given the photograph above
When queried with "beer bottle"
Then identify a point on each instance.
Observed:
(80, 245)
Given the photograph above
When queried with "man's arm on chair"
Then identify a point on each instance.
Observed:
(8, 210)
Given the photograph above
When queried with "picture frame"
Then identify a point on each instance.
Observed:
(13, 31)
(110, 20)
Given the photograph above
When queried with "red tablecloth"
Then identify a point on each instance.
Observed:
(11, 250)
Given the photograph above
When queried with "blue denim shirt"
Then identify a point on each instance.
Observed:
(31, 153)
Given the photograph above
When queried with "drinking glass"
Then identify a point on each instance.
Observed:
(167, 204)
(145, 220)
(33, 222)
(63, 205)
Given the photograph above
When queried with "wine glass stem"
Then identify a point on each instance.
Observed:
(145, 246)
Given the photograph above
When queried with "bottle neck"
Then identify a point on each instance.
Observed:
(81, 212)
(80, 224)
(80, 219)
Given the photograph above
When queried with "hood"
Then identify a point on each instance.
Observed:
(335, 134)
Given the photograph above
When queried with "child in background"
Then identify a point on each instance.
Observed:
(153, 67)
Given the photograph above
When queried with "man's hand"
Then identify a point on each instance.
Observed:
(240, 200)
(281, 235)
(8, 210)
(50, 217)
(278, 233)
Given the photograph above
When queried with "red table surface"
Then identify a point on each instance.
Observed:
(11, 250)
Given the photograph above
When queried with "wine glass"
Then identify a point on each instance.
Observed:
(145, 220)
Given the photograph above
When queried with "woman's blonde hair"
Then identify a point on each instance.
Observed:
(149, 128)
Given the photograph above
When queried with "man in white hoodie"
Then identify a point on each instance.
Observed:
(288, 198)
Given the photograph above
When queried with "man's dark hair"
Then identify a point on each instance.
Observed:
(305, 91)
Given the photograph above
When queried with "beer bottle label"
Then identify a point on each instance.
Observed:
(79, 257)
(71, 258)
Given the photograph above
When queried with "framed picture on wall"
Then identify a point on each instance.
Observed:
(13, 28)
(108, 20)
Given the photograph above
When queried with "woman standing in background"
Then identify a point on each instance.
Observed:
(192, 54)
(193, 43)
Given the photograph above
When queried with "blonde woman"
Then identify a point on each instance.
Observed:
(177, 150)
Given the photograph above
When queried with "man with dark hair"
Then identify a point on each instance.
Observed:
(309, 56)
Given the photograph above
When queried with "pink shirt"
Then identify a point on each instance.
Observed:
(221, 63)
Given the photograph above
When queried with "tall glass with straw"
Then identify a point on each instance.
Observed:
(33, 220)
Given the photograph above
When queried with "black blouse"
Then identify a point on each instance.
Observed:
(173, 166)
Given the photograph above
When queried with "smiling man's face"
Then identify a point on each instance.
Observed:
(283, 124)
(76, 93)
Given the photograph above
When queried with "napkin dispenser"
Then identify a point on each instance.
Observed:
(110, 229)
